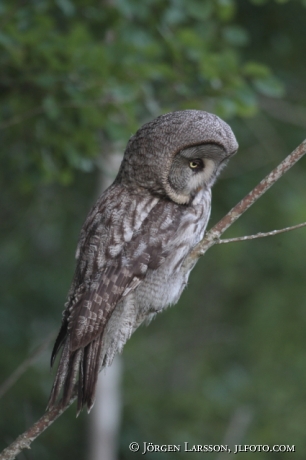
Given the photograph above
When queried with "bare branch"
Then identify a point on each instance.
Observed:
(212, 237)
(12, 379)
(25, 440)
(261, 234)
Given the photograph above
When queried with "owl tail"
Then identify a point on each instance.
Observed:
(77, 373)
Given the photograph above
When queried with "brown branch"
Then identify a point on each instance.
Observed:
(12, 379)
(25, 440)
(212, 237)
(261, 234)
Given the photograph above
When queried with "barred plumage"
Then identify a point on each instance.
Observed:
(134, 240)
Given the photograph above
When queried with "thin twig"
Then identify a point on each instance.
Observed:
(25, 439)
(212, 237)
(12, 379)
(260, 234)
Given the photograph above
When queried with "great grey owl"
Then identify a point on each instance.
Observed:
(134, 241)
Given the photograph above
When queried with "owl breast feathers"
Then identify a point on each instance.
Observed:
(134, 241)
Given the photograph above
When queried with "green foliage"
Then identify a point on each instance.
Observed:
(78, 76)
(70, 69)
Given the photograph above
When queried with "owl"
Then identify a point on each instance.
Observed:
(134, 241)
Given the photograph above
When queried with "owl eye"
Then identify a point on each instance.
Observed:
(196, 164)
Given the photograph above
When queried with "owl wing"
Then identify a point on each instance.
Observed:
(92, 311)
(117, 247)
(126, 266)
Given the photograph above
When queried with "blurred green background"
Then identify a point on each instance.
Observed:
(77, 78)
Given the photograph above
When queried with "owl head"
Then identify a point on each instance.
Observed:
(177, 154)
